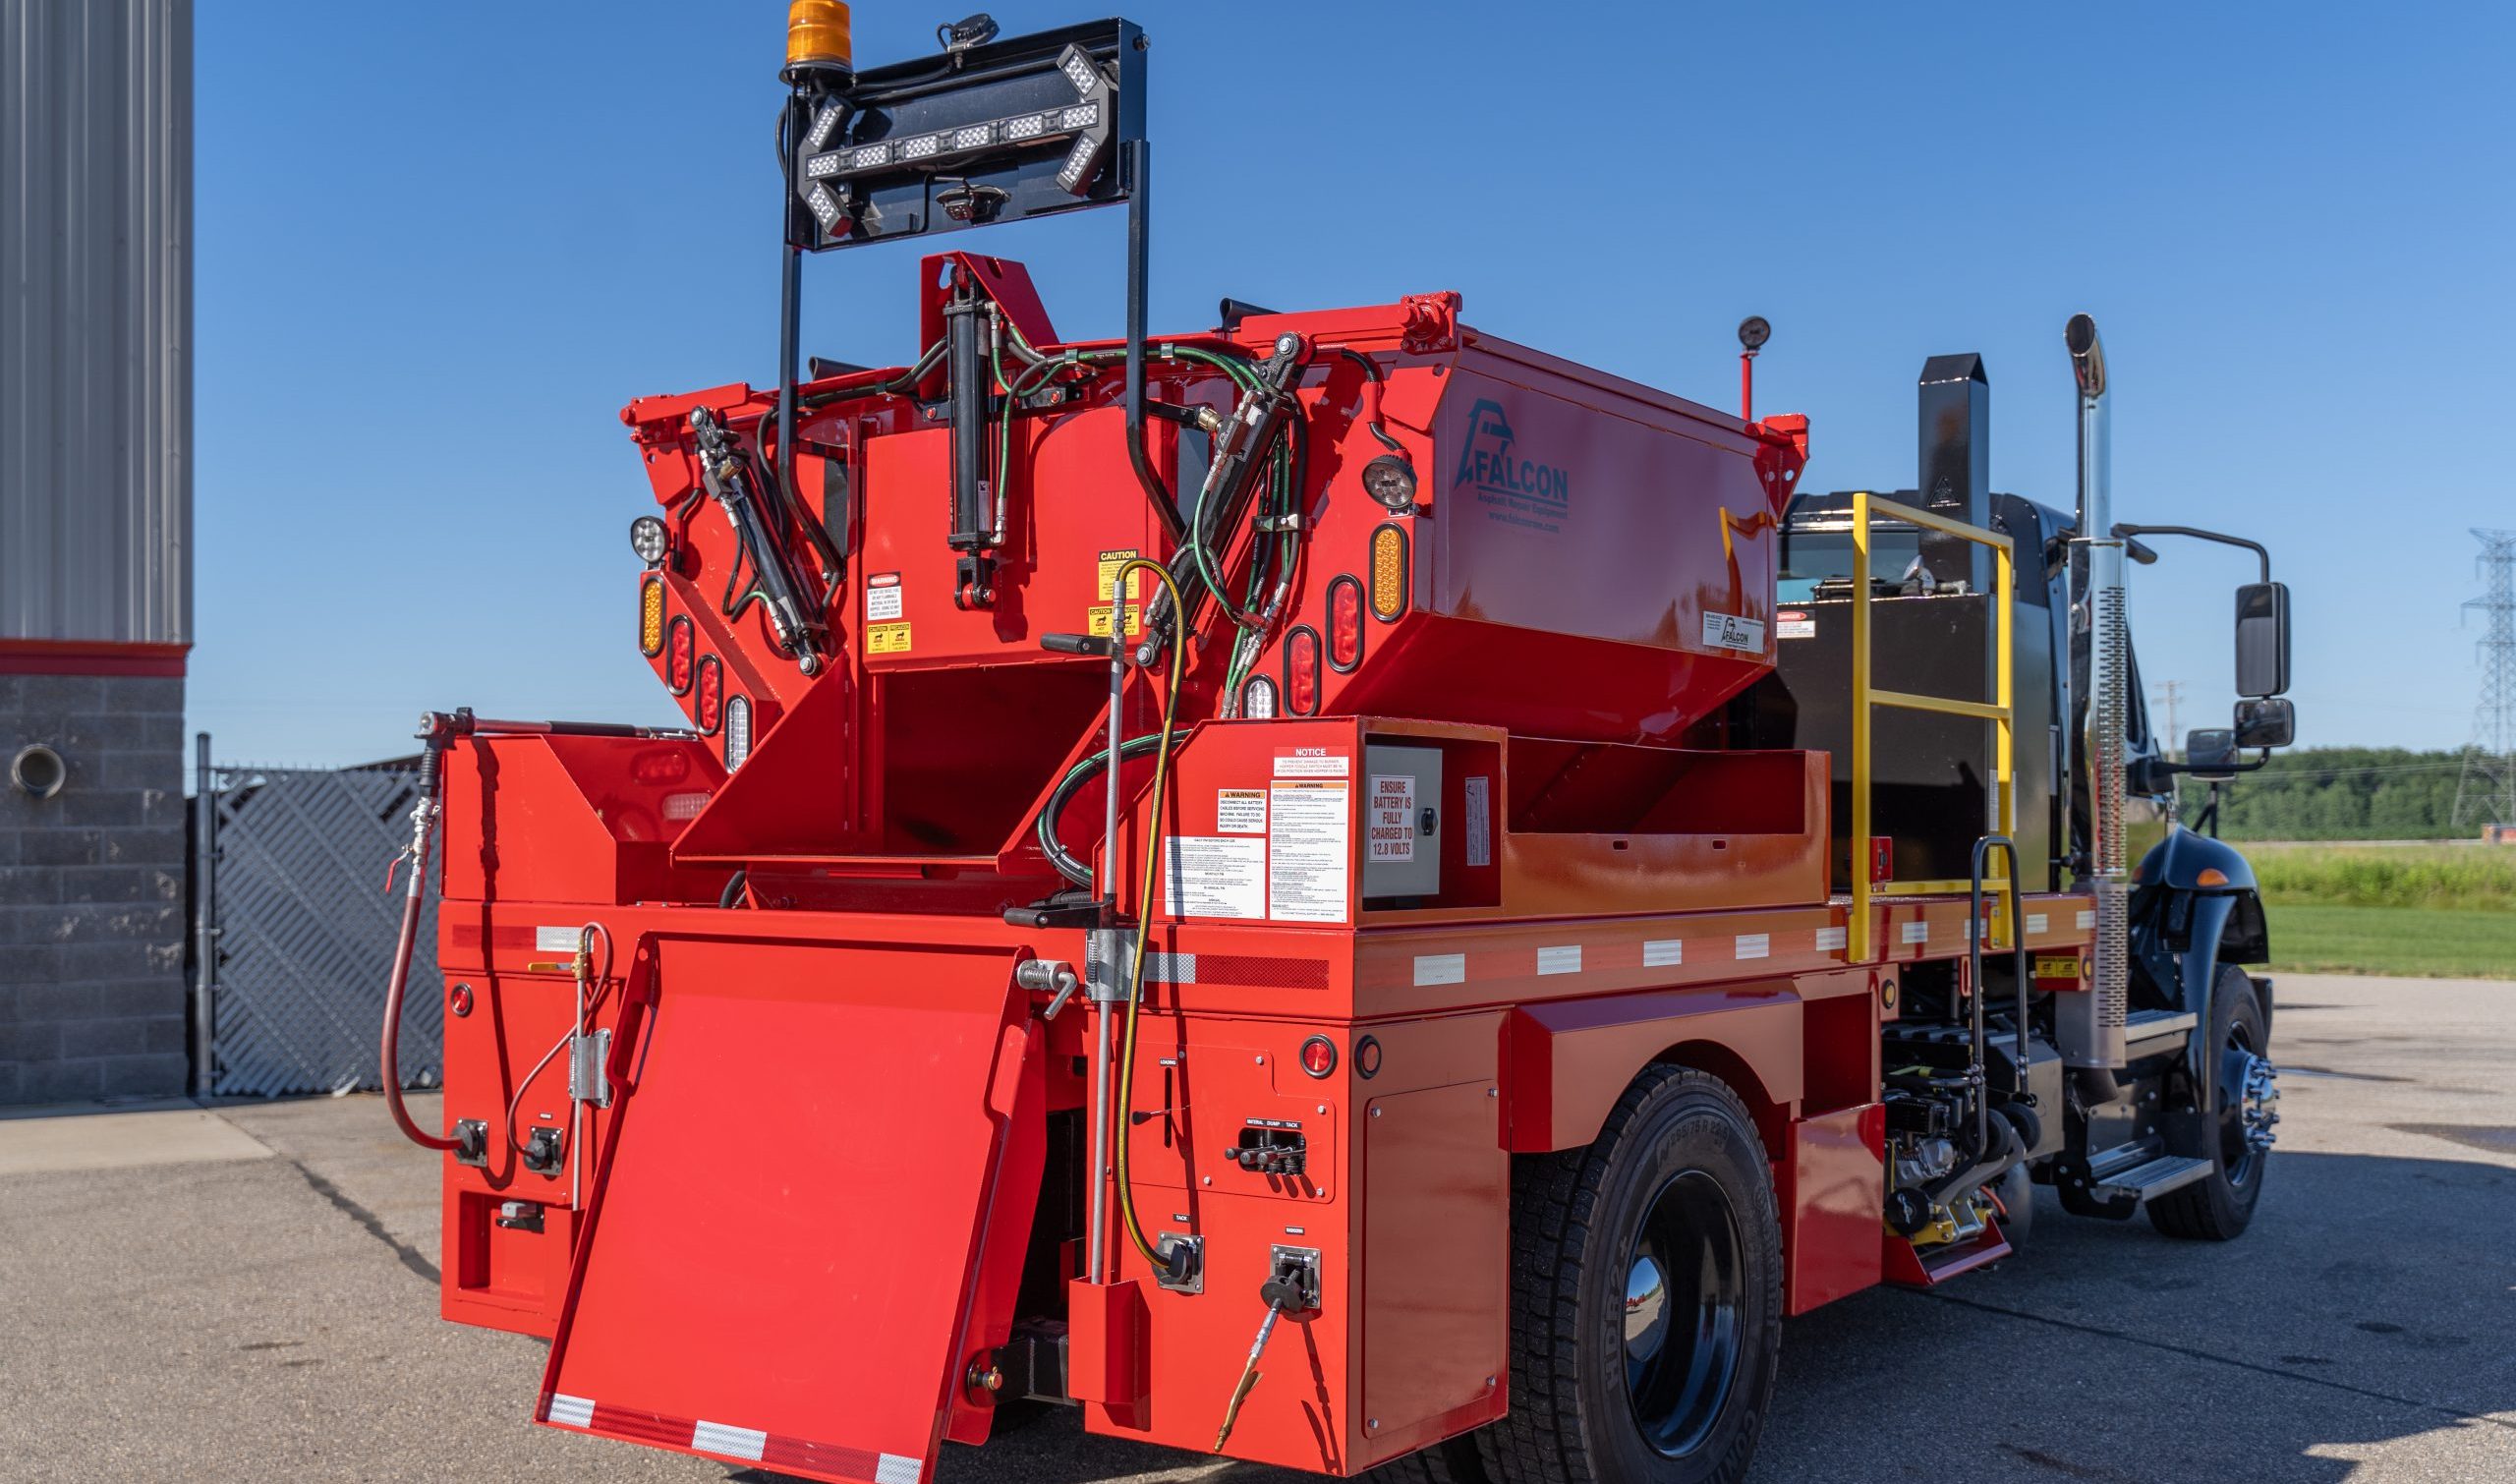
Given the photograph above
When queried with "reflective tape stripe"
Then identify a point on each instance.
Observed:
(1754, 944)
(2035, 922)
(734, 1441)
(1830, 940)
(571, 1411)
(894, 1469)
(1564, 959)
(1662, 953)
(1441, 968)
(1913, 932)
(2088, 919)
(1170, 968)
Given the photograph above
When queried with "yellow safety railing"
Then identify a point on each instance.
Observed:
(2000, 712)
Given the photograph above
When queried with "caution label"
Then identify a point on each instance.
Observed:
(887, 639)
(1388, 826)
(1097, 621)
(2063, 966)
(1110, 562)
(1309, 839)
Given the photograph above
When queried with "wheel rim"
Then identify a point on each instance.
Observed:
(2248, 1106)
(1683, 1327)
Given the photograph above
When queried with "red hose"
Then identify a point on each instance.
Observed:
(411, 904)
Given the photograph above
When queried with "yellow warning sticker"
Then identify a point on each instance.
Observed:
(887, 639)
(2057, 966)
(1097, 621)
(1111, 561)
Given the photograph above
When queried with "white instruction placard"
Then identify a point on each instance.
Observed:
(1241, 811)
(1309, 839)
(1313, 763)
(1214, 877)
(1389, 828)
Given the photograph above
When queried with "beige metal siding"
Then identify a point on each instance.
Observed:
(96, 320)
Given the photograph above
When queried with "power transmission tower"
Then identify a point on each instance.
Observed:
(2487, 794)
(2172, 739)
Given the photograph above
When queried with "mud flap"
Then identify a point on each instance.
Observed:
(820, 1180)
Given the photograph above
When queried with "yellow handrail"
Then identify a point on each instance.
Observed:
(2001, 712)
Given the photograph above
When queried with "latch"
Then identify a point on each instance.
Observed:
(520, 1216)
(544, 1150)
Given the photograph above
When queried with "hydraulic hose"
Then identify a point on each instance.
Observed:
(1144, 923)
(423, 826)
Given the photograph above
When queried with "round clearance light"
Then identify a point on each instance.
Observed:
(1391, 480)
(1367, 1058)
(1319, 1056)
(647, 538)
(1258, 699)
(39, 770)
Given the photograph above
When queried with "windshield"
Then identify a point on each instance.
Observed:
(1810, 558)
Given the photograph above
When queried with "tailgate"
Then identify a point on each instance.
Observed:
(781, 1252)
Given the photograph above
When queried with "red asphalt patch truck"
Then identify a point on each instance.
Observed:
(1334, 889)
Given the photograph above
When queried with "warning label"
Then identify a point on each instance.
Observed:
(1313, 763)
(882, 597)
(1211, 877)
(1308, 841)
(1480, 821)
(1241, 811)
(1389, 828)
(1794, 623)
(887, 639)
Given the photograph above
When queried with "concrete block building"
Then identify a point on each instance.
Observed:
(95, 545)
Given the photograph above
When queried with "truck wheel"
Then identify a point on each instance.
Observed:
(1647, 1315)
(2217, 1209)
(1453, 1461)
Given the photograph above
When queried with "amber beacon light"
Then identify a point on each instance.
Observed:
(817, 41)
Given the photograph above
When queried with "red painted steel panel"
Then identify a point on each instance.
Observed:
(1436, 1256)
(1832, 1206)
(784, 1235)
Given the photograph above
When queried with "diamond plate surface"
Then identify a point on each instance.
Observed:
(307, 933)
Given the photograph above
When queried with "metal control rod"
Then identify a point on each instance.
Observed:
(1105, 989)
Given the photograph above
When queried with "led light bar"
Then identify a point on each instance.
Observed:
(1022, 129)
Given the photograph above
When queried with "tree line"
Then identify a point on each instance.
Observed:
(2340, 793)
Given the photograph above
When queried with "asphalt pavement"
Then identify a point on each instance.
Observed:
(248, 1292)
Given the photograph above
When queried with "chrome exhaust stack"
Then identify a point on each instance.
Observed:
(2090, 1026)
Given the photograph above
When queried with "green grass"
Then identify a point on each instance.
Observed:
(2430, 942)
(2466, 878)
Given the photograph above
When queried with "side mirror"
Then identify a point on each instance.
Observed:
(2263, 641)
(2266, 722)
(2210, 754)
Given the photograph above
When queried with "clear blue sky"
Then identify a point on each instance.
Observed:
(439, 246)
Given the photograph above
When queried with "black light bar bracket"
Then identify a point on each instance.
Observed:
(1002, 130)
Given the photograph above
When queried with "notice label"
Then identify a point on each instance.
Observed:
(882, 597)
(1480, 821)
(1241, 811)
(1309, 839)
(1388, 826)
(1313, 763)
(887, 639)
(1794, 623)
(1729, 631)
(1211, 876)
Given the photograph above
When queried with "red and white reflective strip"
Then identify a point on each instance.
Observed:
(726, 1441)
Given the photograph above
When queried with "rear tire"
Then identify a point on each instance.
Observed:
(1452, 1461)
(2218, 1208)
(1646, 1318)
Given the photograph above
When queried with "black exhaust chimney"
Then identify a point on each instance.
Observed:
(1955, 467)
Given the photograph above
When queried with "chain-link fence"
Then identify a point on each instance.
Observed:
(304, 931)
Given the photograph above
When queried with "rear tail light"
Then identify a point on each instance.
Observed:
(1301, 672)
(651, 616)
(1319, 1056)
(709, 708)
(1388, 572)
(681, 655)
(737, 731)
(1345, 623)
